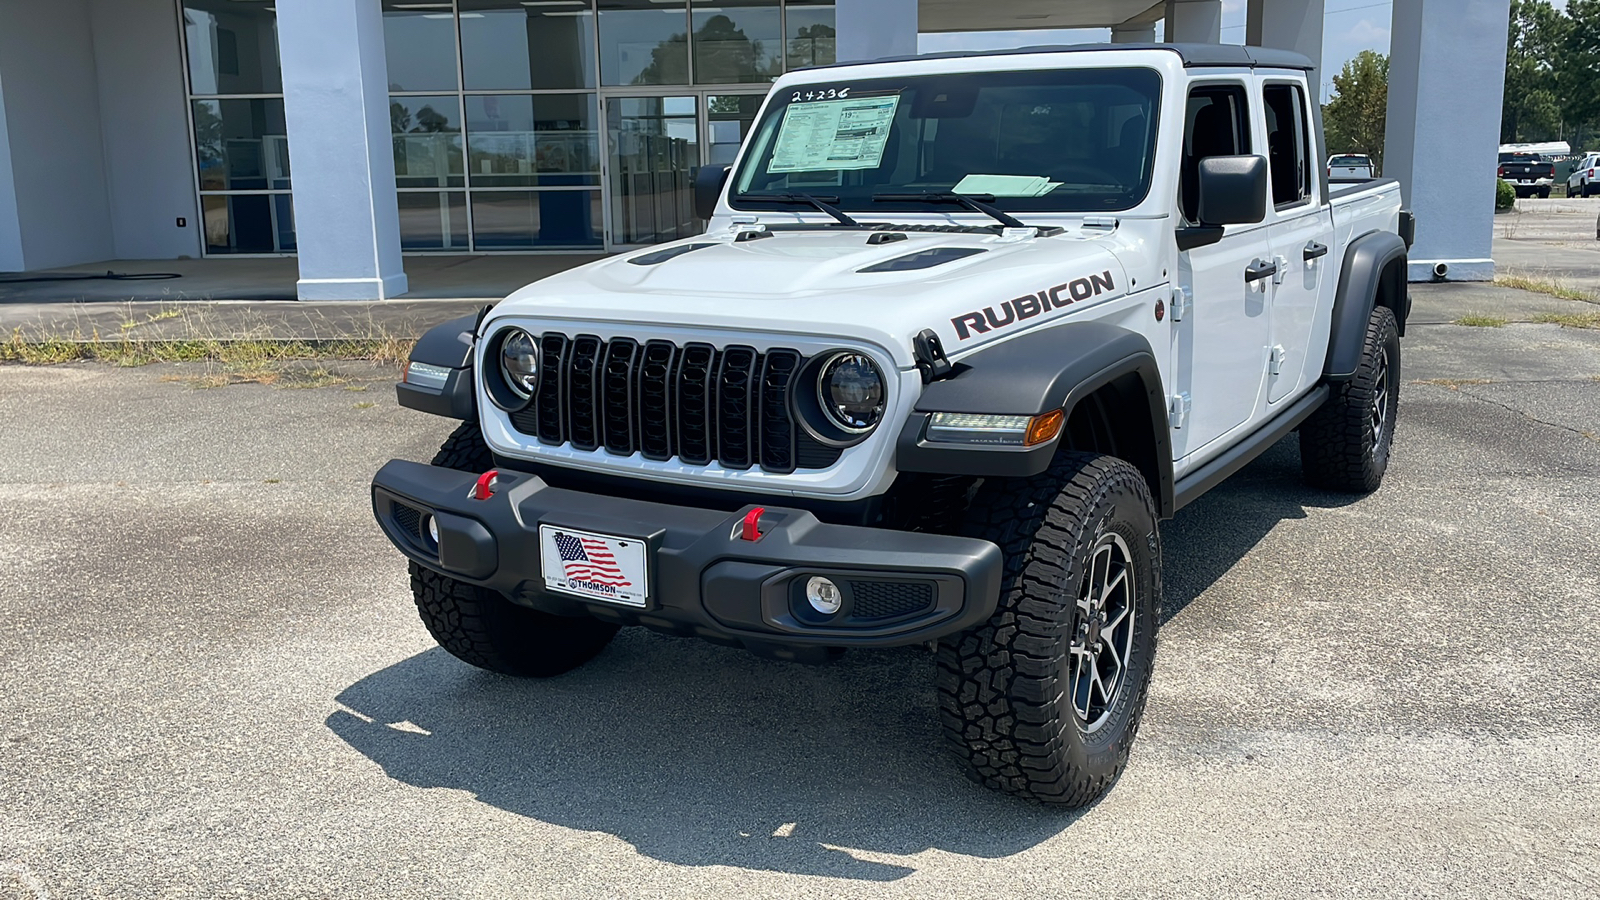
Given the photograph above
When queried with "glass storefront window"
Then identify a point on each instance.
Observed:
(517, 140)
(644, 42)
(427, 141)
(232, 46)
(811, 35)
(533, 220)
(420, 44)
(519, 45)
(737, 41)
(432, 220)
(655, 150)
(241, 145)
(248, 223)
(729, 117)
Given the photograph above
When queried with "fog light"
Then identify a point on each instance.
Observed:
(433, 530)
(823, 595)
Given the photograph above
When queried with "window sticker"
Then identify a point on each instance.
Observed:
(834, 135)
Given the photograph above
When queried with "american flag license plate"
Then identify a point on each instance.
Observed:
(594, 566)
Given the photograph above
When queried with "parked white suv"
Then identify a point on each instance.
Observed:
(961, 332)
(1585, 178)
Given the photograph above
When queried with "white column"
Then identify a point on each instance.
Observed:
(1289, 25)
(873, 29)
(1446, 76)
(1194, 21)
(10, 220)
(1133, 34)
(336, 102)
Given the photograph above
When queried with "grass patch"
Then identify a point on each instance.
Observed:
(239, 355)
(1569, 320)
(365, 404)
(1482, 321)
(1546, 286)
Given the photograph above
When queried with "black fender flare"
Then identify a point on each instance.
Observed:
(449, 346)
(1049, 368)
(1365, 262)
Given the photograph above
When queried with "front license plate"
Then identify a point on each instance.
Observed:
(594, 566)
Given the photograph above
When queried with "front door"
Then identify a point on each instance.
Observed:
(1219, 343)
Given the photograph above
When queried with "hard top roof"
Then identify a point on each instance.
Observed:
(1193, 55)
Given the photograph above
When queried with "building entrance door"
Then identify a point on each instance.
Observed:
(655, 145)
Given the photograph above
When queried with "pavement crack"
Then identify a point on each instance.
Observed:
(1587, 435)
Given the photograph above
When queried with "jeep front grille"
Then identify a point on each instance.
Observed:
(698, 403)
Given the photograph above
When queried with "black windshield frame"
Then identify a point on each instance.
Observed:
(979, 101)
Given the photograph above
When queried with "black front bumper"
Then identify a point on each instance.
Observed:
(705, 579)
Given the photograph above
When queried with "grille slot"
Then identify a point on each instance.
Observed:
(889, 599)
(694, 403)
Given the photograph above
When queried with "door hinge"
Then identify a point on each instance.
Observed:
(1178, 410)
(1275, 358)
(1182, 302)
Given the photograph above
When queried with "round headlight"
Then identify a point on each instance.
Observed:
(850, 389)
(519, 362)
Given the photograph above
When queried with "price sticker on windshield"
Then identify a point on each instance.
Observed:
(834, 135)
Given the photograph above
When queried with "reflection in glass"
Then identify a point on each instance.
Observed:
(241, 145)
(523, 141)
(233, 46)
(655, 151)
(420, 44)
(811, 33)
(529, 220)
(729, 117)
(433, 220)
(737, 41)
(427, 141)
(248, 223)
(511, 45)
(644, 42)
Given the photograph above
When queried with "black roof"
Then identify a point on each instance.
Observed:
(1193, 55)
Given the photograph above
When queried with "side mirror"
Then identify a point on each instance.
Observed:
(1233, 190)
(708, 184)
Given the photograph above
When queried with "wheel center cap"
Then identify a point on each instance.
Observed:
(1096, 621)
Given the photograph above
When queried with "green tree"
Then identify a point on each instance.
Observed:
(1355, 116)
(1577, 75)
(1531, 109)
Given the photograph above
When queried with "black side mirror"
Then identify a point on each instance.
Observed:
(1233, 190)
(708, 183)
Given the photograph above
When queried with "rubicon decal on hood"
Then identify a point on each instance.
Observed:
(1030, 305)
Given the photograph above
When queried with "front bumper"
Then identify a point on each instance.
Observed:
(705, 580)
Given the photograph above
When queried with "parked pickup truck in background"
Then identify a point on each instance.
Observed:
(1528, 173)
(1350, 167)
(1584, 182)
(961, 332)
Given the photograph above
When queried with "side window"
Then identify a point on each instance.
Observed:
(1216, 124)
(1287, 144)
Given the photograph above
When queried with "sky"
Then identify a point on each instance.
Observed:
(1349, 27)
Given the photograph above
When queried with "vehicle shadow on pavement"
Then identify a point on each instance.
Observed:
(703, 755)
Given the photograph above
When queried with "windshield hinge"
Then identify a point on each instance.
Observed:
(1109, 223)
(929, 353)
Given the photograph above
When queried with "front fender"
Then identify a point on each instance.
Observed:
(447, 346)
(1043, 370)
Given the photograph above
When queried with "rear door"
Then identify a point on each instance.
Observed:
(1301, 235)
(1219, 341)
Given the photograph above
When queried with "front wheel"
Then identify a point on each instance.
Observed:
(1044, 700)
(1344, 445)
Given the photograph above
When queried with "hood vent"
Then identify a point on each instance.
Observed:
(924, 259)
(661, 256)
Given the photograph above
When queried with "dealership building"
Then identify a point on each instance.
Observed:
(355, 133)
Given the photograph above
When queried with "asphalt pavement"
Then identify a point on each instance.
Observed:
(215, 684)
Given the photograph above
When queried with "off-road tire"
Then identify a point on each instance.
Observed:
(483, 628)
(465, 450)
(1005, 687)
(1341, 449)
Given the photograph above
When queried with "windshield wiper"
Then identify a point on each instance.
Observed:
(821, 204)
(974, 202)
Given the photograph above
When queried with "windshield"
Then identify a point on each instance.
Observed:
(1049, 141)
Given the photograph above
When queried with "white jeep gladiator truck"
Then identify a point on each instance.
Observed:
(960, 333)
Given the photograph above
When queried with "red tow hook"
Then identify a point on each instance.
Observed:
(751, 530)
(484, 489)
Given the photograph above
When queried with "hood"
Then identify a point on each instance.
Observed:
(877, 286)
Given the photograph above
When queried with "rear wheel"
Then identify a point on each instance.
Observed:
(1345, 444)
(1044, 700)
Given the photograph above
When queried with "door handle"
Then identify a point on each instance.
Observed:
(1260, 269)
(1315, 250)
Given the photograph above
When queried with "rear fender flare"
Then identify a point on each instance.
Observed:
(1366, 261)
